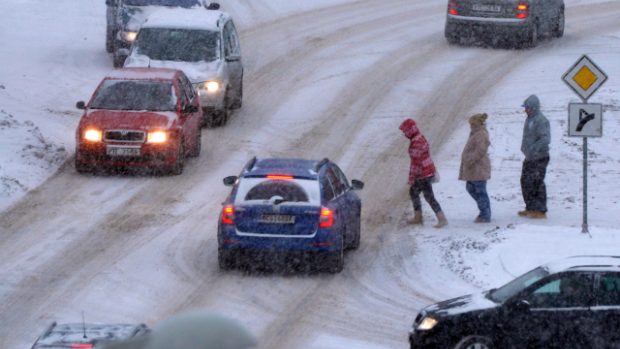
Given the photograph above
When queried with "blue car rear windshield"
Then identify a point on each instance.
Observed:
(180, 3)
(288, 191)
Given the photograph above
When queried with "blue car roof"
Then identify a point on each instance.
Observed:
(299, 168)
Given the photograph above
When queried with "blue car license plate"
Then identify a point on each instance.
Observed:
(277, 219)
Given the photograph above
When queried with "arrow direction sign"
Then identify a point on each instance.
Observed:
(585, 120)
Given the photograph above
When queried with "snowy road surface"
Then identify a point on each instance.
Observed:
(333, 80)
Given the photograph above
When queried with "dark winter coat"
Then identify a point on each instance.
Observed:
(536, 132)
(422, 165)
(475, 162)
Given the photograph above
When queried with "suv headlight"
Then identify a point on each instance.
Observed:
(210, 86)
(129, 36)
(427, 324)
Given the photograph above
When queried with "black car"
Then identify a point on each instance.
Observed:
(86, 335)
(520, 23)
(572, 303)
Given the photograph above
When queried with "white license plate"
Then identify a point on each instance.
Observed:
(486, 8)
(122, 151)
(277, 219)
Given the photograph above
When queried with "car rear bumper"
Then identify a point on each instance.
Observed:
(463, 26)
(324, 240)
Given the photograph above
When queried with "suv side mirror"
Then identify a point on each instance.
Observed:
(230, 180)
(213, 6)
(80, 105)
(357, 184)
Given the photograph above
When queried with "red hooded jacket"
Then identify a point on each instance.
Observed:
(422, 165)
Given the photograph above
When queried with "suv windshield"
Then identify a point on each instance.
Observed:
(135, 95)
(182, 45)
(180, 3)
(515, 286)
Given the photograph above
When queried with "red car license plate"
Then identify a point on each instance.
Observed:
(277, 219)
(122, 151)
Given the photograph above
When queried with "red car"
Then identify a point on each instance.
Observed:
(140, 117)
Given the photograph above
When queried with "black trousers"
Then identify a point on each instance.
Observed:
(424, 186)
(533, 184)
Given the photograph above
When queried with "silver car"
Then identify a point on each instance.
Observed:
(87, 335)
(520, 23)
(203, 44)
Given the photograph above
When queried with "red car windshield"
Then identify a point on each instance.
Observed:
(135, 95)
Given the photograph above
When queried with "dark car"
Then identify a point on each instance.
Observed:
(571, 303)
(290, 207)
(140, 118)
(124, 18)
(520, 23)
(86, 335)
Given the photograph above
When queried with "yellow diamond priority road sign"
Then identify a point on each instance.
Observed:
(584, 77)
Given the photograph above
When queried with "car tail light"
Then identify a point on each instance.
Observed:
(523, 10)
(452, 8)
(326, 220)
(275, 176)
(228, 215)
(82, 346)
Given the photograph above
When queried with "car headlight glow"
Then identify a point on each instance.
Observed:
(129, 36)
(427, 324)
(211, 86)
(92, 135)
(157, 137)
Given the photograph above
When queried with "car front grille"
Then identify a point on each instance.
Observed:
(125, 136)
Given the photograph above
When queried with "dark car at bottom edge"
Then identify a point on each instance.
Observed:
(570, 303)
(291, 210)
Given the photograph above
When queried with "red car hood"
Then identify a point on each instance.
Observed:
(130, 120)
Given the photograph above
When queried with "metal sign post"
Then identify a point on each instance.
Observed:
(585, 120)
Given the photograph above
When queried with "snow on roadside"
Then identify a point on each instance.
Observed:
(474, 256)
(27, 155)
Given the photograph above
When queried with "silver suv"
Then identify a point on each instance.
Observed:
(203, 44)
(521, 23)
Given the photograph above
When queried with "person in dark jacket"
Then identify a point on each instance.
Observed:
(476, 166)
(421, 173)
(535, 147)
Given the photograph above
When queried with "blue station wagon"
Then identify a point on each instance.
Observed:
(280, 208)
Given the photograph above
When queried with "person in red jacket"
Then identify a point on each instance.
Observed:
(422, 173)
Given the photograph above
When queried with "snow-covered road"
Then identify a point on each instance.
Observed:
(332, 81)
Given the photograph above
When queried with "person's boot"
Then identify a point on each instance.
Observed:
(417, 217)
(537, 215)
(441, 220)
(524, 213)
